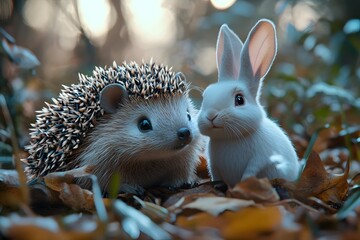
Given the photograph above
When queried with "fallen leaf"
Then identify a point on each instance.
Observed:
(316, 182)
(258, 190)
(323, 137)
(9, 189)
(198, 220)
(247, 223)
(216, 205)
(74, 196)
(43, 228)
(202, 169)
(252, 222)
(300, 145)
(56, 180)
(205, 188)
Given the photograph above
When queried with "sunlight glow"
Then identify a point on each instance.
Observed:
(97, 17)
(205, 60)
(59, 18)
(303, 16)
(222, 4)
(31, 11)
(67, 32)
(149, 23)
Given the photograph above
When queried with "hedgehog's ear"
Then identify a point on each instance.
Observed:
(111, 96)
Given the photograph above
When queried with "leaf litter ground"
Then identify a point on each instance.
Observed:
(323, 202)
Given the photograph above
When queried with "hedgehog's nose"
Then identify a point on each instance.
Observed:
(184, 135)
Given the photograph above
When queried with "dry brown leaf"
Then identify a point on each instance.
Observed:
(251, 222)
(9, 189)
(10, 196)
(300, 144)
(205, 188)
(324, 136)
(247, 223)
(72, 195)
(316, 182)
(258, 190)
(202, 169)
(198, 220)
(55, 180)
(216, 205)
(23, 228)
(77, 198)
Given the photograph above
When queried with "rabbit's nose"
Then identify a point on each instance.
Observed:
(211, 117)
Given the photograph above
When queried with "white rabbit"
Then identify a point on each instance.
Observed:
(244, 142)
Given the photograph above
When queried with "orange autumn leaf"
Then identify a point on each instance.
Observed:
(9, 189)
(316, 182)
(247, 223)
(28, 232)
(251, 222)
(36, 227)
(202, 219)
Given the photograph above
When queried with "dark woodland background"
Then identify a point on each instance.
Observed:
(315, 78)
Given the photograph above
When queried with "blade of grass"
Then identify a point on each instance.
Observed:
(153, 209)
(350, 204)
(114, 185)
(345, 129)
(309, 148)
(98, 201)
(144, 222)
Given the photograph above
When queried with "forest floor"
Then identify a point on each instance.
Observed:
(323, 202)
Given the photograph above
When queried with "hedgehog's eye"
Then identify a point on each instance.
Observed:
(144, 125)
(188, 115)
(239, 100)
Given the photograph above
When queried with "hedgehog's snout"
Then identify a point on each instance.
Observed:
(184, 137)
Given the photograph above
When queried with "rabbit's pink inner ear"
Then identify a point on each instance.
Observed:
(228, 49)
(262, 48)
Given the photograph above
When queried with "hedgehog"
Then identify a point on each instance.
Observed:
(134, 120)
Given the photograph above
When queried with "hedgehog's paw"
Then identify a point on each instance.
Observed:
(132, 189)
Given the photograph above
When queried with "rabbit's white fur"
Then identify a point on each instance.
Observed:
(244, 142)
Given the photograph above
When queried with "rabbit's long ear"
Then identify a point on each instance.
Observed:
(258, 54)
(228, 49)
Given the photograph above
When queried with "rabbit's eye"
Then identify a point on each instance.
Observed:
(239, 100)
(188, 115)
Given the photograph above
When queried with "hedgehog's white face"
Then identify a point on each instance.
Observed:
(155, 128)
(149, 142)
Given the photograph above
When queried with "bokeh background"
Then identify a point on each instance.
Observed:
(315, 78)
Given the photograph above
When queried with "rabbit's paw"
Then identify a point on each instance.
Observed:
(279, 161)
